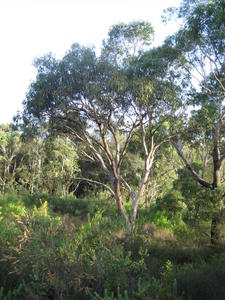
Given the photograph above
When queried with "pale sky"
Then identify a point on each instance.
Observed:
(32, 28)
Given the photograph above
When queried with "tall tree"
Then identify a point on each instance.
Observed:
(201, 43)
(103, 102)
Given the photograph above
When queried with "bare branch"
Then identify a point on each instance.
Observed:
(128, 139)
(144, 139)
(189, 167)
(105, 143)
(96, 182)
(222, 158)
(117, 146)
(128, 188)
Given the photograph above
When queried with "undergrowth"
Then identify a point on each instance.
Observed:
(52, 248)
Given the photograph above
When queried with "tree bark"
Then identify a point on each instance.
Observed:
(215, 236)
(121, 207)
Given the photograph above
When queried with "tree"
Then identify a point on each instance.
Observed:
(201, 43)
(29, 163)
(9, 147)
(126, 41)
(103, 103)
(59, 166)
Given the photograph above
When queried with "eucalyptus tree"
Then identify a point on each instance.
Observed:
(201, 42)
(59, 165)
(126, 41)
(103, 102)
(29, 161)
(45, 163)
(9, 148)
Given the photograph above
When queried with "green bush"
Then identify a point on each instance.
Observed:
(46, 254)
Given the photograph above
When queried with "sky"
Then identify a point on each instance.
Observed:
(32, 28)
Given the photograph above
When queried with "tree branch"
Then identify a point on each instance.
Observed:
(189, 167)
(130, 134)
(96, 182)
(222, 158)
(128, 188)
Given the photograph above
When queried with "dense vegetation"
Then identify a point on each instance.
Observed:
(68, 248)
(112, 178)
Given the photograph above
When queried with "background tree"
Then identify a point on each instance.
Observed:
(29, 161)
(9, 147)
(201, 43)
(60, 166)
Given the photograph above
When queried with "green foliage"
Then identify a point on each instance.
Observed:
(11, 295)
(127, 40)
(9, 148)
(60, 165)
(44, 255)
(111, 296)
(171, 203)
(203, 282)
(38, 163)
(161, 220)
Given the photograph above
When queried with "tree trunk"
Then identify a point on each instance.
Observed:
(121, 207)
(140, 192)
(215, 235)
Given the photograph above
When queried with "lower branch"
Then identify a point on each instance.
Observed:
(96, 182)
(190, 168)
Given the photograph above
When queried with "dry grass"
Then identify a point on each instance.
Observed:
(160, 234)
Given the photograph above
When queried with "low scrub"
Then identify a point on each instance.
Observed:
(48, 254)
